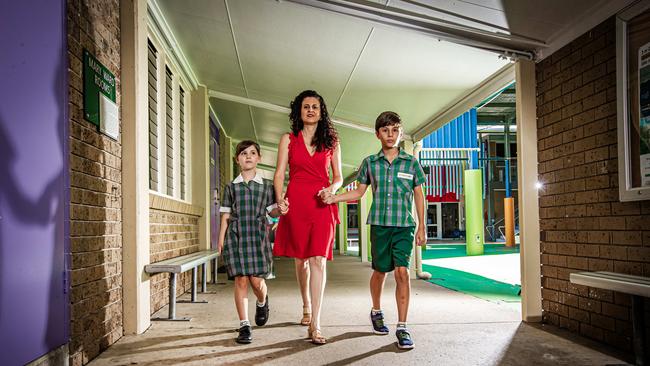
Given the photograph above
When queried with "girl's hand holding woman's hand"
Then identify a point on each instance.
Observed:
(283, 205)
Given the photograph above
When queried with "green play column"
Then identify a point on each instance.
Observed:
(363, 208)
(474, 211)
(342, 228)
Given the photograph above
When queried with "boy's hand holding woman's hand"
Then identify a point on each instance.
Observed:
(326, 195)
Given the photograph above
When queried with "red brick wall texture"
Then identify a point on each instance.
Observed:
(584, 225)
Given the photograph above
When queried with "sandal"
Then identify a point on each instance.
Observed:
(306, 316)
(316, 336)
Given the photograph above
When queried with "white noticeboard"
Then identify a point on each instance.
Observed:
(644, 113)
(109, 122)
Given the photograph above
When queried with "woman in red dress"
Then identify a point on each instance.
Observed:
(306, 232)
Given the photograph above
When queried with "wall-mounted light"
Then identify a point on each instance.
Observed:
(539, 185)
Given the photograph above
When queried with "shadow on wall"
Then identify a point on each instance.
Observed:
(32, 225)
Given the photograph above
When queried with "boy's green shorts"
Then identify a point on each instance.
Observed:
(391, 246)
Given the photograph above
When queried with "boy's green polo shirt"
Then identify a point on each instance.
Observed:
(392, 187)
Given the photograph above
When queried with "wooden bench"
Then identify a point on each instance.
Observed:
(638, 287)
(177, 265)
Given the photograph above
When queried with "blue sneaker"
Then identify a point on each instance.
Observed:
(378, 326)
(404, 340)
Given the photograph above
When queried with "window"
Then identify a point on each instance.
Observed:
(633, 96)
(181, 120)
(153, 116)
(168, 113)
(169, 131)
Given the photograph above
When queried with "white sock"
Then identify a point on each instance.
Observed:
(244, 323)
(401, 325)
(375, 311)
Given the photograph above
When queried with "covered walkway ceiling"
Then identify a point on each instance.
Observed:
(364, 57)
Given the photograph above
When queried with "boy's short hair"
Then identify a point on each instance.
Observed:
(245, 145)
(387, 118)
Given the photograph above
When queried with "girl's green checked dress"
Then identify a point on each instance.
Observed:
(247, 249)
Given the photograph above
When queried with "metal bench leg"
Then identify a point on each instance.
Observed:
(204, 278)
(193, 293)
(214, 271)
(172, 295)
(194, 284)
(172, 301)
(638, 326)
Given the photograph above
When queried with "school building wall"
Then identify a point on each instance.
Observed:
(174, 231)
(584, 226)
(95, 189)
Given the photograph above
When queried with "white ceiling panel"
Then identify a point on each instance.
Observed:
(235, 119)
(203, 31)
(270, 125)
(286, 48)
(413, 75)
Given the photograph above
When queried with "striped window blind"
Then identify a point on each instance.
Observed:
(153, 116)
(182, 138)
(169, 117)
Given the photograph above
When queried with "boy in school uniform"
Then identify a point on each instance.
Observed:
(396, 179)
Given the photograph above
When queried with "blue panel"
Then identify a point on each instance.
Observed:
(473, 137)
(459, 132)
(34, 193)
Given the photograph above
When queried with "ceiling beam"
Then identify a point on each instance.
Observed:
(495, 41)
(280, 109)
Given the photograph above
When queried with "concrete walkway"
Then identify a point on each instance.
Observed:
(448, 328)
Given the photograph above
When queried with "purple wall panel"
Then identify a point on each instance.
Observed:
(33, 179)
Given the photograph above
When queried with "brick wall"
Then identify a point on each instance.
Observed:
(95, 192)
(174, 231)
(584, 225)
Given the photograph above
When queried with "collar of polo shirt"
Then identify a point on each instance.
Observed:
(380, 154)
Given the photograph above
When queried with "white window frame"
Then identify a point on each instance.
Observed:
(165, 60)
(626, 191)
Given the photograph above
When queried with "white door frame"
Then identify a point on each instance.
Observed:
(438, 223)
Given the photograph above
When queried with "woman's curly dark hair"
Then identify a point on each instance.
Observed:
(326, 136)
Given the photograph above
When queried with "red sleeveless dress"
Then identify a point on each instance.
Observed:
(307, 230)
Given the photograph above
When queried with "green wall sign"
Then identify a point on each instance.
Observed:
(97, 79)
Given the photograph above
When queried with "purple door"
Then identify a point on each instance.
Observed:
(214, 185)
(33, 179)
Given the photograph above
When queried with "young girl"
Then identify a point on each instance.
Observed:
(244, 240)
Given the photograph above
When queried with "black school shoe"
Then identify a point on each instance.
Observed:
(262, 313)
(245, 335)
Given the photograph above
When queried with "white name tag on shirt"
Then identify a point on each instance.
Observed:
(405, 176)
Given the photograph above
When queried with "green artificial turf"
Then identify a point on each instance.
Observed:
(453, 250)
(469, 283)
